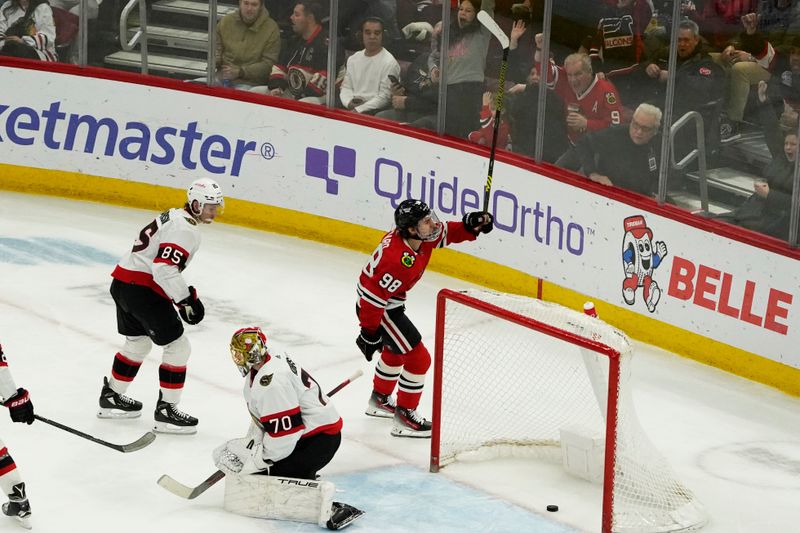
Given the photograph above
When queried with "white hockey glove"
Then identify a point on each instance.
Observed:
(240, 456)
(419, 31)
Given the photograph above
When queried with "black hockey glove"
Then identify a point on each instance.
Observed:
(369, 343)
(478, 222)
(20, 407)
(191, 308)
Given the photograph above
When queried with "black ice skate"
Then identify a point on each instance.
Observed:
(342, 515)
(18, 506)
(408, 423)
(170, 420)
(381, 405)
(114, 405)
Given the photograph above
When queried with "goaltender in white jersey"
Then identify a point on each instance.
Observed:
(295, 432)
(148, 283)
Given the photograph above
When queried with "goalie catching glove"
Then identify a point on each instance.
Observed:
(191, 308)
(369, 343)
(478, 222)
(240, 456)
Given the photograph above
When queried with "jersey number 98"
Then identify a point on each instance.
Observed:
(389, 283)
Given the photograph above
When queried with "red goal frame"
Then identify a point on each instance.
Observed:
(613, 355)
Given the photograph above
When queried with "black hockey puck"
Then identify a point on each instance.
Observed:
(552, 508)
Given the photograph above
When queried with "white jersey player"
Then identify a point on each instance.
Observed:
(296, 431)
(148, 284)
(20, 408)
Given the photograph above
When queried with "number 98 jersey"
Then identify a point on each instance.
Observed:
(395, 268)
(161, 252)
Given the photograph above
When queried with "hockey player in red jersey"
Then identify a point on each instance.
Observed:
(394, 268)
(20, 408)
(295, 432)
(147, 282)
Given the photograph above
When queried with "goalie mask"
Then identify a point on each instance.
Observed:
(416, 214)
(206, 192)
(248, 348)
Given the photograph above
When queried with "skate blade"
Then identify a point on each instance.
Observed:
(105, 412)
(163, 427)
(24, 522)
(413, 433)
(378, 413)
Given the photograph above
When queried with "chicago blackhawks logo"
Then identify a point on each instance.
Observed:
(265, 380)
(408, 260)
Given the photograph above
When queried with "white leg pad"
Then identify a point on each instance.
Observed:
(279, 498)
(177, 352)
(136, 348)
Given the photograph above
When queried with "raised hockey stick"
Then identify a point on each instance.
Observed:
(492, 26)
(184, 491)
(138, 444)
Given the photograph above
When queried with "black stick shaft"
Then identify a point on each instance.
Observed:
(119, 447)
(501, 89)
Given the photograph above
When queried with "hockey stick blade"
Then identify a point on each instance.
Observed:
(190, 493)
(489, 23)
(138, 444)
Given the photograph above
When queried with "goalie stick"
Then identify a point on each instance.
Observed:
(138, 444)
(489, 23)
(184, 491)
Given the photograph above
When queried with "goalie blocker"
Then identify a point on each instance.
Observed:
(284, 498)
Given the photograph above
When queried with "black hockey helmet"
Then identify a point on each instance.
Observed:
(409, 214)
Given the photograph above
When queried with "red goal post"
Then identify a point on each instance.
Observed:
(517, 376)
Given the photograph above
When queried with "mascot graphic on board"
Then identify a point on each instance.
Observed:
(640, 256)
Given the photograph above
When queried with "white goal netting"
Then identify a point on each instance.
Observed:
(511, 373)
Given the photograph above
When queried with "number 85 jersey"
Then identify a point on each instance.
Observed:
(395, 268)
(162, 251)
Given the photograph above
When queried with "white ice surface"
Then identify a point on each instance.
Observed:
(734, 442)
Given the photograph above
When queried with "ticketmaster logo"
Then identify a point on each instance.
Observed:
(318, 166)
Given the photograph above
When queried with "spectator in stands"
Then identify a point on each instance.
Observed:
(281, 12)
(523, 114)
(415, 98)
(779, 20)
(366, 87)
(625, 156)
(302, 71)
(748, 65)
(699, 85)
(248, 45)
(618, 46)
(591, 103)
(466, 57)
(416, 19)
(485, 134)
(787, 72)
(719, 20)
(767, 209)
(353, 13)
(27, 30)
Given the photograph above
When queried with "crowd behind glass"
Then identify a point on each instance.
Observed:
(592, 86)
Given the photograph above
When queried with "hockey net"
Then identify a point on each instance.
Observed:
(511, 374)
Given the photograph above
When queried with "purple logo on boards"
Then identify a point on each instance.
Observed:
(344, 165)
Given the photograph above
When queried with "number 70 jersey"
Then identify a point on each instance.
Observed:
(161, 252)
